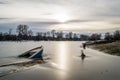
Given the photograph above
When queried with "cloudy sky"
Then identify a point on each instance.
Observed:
(68, 15)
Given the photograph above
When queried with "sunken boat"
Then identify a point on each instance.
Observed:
(35, 53)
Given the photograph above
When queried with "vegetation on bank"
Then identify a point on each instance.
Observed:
(112, 48)
(23, 32)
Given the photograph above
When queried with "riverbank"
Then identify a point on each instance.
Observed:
(112, 48)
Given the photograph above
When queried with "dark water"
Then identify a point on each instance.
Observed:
(63, 62)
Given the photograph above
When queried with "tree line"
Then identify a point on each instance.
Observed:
(23, 32)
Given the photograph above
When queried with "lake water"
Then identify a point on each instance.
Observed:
(63, 62)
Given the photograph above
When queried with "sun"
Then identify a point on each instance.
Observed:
(62, 17)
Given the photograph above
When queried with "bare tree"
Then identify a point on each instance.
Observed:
(22, 30)
(108, 36)
(70, 35)
(117, 35)
(48, 34)
(53, 33)
(10, 31)
(30, 33)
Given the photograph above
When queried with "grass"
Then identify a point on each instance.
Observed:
(110, 48)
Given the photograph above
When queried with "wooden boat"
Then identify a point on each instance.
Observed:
(35, 53)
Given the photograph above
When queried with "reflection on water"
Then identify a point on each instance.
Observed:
(62, 55)
(83, 57)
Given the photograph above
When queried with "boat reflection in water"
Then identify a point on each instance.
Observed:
(82, 55)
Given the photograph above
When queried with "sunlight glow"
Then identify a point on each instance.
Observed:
(62, 55)
(62, 17)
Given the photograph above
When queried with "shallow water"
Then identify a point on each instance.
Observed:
(63, 62)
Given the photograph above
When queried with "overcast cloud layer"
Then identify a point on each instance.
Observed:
(81, 15)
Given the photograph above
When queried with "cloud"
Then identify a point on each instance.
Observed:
(81, 21)
(3, 2)
(3, 18)
(36, 26)
(42, 13)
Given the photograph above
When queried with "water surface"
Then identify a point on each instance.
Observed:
(63, 62)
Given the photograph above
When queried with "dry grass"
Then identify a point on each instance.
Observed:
(110, 48)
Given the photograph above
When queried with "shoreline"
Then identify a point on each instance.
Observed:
(112, 48)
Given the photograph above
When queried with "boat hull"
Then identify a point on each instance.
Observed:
(35, 53)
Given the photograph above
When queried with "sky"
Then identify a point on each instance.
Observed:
(85, 16)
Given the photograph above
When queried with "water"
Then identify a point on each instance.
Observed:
(63, 62)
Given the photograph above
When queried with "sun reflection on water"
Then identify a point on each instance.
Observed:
(62, 55)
